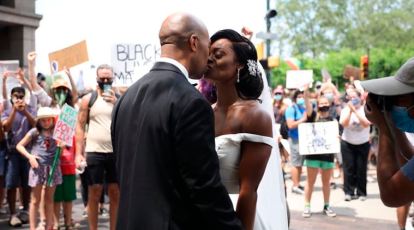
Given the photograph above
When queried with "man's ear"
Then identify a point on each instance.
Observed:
(193, 40)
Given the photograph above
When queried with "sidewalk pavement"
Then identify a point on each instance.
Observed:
(371, 211)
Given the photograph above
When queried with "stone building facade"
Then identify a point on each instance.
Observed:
(18, 23)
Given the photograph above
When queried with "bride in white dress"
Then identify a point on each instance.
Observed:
(248, 154)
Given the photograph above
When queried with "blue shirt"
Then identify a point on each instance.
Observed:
(408, 169)
(294, 112)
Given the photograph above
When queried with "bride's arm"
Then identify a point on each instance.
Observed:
(254, 157)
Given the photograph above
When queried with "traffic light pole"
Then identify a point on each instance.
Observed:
(268, 71)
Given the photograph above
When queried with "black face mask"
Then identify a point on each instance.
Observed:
(323, 108)
(102, 84)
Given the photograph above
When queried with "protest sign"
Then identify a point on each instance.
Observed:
(69, 57)
(351, 72)
(297, 79)
(9, 65)
(131, 61)
(65, 126)
(319, 138)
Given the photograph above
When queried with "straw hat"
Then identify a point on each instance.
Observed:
(60, 82)
(45, 112)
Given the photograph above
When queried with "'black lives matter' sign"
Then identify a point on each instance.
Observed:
(132, 61)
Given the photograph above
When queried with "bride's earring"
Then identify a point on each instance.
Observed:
(238, 75)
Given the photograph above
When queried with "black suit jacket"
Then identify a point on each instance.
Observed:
(163, 136)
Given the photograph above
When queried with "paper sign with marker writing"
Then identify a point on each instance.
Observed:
(319, 138)
(65, 126)
(131, 61)
(297, 79)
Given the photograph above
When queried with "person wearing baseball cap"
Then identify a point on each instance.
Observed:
(390, 106)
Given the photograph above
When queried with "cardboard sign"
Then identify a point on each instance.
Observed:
(351, 71)
(69, 57)
(319, 138)
(65, 126)
(297, 79)
(132, 61)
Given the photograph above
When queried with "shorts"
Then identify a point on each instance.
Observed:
(17, 171)
(2, 162)
(66, 191)
(296, 160)
(101, 168)
(40, 176)
(318, 164)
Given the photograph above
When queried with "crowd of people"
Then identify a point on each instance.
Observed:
(172, 156)
(321, 104)
(28, 149)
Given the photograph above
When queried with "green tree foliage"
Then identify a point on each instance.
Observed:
(331, 34)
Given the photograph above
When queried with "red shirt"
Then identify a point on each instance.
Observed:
(67, 159)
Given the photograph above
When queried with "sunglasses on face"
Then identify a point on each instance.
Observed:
(18, 96)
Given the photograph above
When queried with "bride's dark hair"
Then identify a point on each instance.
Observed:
(249, 84)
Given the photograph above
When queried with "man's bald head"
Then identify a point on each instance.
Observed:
(178, 27)
(185, 39)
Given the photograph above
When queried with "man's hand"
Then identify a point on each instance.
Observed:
(20, 105)
(20, 75)
(78, 160)
(109, 96)
(6, 74)
(31, 57)
(373, 113)
(67, 71)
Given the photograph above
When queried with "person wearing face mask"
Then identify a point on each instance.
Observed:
(390, 107)
(279, 106)
(96, 110)
(323, 163)
(65, 193)
(296, 114)
(355, 147)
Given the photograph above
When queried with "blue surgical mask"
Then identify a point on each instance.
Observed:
(356, 101)
(300, 102)
(278, 97)
(329, 96)
(402, 119)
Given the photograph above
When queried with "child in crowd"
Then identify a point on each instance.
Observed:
(43, 150)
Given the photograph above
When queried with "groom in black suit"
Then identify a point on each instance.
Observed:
(163, 135)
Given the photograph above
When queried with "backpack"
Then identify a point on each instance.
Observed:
(94, 96)
(92, 100)
(284, 129)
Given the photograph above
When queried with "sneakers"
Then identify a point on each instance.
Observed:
(362, 198)
(348, 197)
(329, 212)
(298, 190)
(307, 212)
(24, 217)
(85, 214)
(103, 212)
(15, 221)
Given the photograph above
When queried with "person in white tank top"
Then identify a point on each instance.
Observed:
(100, 159)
